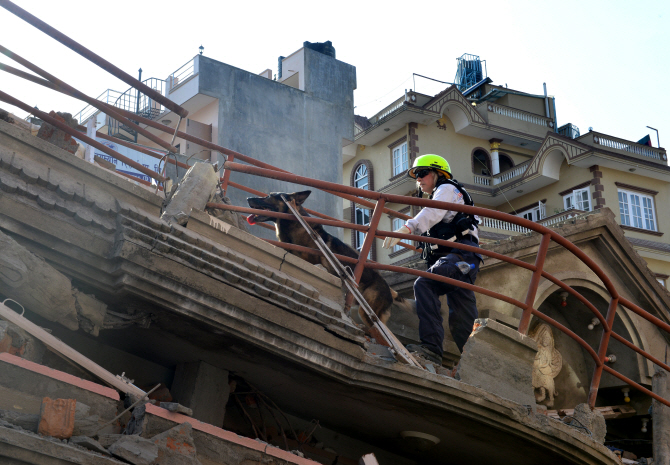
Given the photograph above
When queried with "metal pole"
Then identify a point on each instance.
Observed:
(658, 141)
(602, 351)
(535, 280)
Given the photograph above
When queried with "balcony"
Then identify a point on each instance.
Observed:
(492, 225)
(625, 147)
(512, 174)
(516, 120)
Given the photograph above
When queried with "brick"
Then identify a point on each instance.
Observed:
(57, 137)
(57, 418)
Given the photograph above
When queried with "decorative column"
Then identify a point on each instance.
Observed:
(495, 162)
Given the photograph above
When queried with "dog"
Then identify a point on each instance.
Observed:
(377, 293)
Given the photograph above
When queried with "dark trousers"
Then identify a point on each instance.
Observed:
(462, 302)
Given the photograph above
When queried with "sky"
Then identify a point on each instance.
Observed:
(605, 62)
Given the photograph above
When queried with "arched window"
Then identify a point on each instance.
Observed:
(505, 162)
(361, 215)
(481, 163)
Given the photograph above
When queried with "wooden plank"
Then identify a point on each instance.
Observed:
(66, 351)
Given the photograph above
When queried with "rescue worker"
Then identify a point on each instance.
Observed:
(433, 176)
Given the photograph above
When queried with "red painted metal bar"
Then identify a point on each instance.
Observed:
(285, 216)
(45, 83)
(69, 90)
(329, 186)
(636, 385)
(602, 351)
(570, 333)
(89, 55)
(534, 282)
(135, 178)
(73, 132)
(225, 180)
(640, 351)
(263, 194)
(300, 248)
(369, 240)
(644, 314)
(580, 297)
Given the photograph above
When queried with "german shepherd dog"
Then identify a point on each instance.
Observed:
(374, 289)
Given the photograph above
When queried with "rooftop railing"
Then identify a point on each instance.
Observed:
(109, 96)
(388, 110)
(521, 115)
(630, 147)
(183, 73)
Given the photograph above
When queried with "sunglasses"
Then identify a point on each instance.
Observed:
(422, 173)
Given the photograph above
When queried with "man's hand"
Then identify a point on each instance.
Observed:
(393, 241)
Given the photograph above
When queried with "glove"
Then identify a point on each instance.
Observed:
(393, 241)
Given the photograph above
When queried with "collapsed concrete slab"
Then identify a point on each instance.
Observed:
(500, 360)
(135, 449)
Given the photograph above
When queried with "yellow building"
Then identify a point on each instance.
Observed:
(505, 147)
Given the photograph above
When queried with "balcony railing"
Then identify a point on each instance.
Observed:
(628, 146)
(109, 96)
(182, 74)
(505, 176)
(388, 110)
(548, 221)
(520, 115)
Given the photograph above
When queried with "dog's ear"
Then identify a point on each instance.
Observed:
(300, 197)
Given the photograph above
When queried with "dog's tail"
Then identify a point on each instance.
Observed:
(402, 303)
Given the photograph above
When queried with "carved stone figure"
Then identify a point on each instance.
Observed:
(547, 365)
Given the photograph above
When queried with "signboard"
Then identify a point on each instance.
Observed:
(141, 158)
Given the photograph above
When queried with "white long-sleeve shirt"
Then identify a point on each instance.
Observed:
(429, 217)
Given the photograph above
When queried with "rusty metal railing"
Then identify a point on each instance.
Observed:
(548, 236)
(355, 195)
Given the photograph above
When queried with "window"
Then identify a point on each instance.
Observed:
(397, 224)
(637, 210)
(579, 199)
(534, 213)
(361, 215)
(505, 162)
(400, 160)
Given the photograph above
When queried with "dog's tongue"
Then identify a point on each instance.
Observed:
(251, 219)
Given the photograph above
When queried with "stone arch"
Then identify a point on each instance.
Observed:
(457, 113)
(551, 162)
(576, 378)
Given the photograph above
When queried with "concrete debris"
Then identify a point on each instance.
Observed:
(90, 312)
(204, 389)
(135, 449)
(27, 421)
(229, 217)
(16, 341)
(500, 360)
(34, 283)
(660, 384)
(57, 137)
(194, 191)
(177, 408)
(176, 446)
(106, 440)
(134, 426)
(593, 421)
(4, 115)
(89, 443)
(57, 418)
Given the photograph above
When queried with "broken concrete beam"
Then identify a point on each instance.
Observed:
(135, 449)
(35, 284)
(106, 440)
(500, 360)
(21, 447)
(89, 443)
(216, 445)
(24, 383)
(204, 389)
(194, 191)
(58, 137)
(176, 446)
(90, 312)
(660, 384)
(57, 418)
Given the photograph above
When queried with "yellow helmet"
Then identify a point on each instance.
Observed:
(430, 161)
